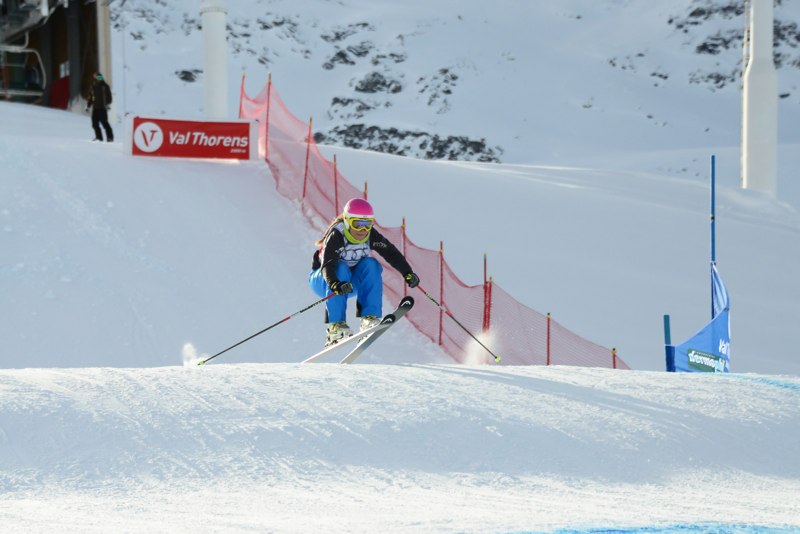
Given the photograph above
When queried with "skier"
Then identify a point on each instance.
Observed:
(343, 265)
(100, 100)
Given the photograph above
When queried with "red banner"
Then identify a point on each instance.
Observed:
(191, 139)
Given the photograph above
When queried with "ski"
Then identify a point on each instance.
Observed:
(349, 340)
(385, 323)
(406, 304)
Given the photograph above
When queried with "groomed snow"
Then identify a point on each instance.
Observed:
(408, 448)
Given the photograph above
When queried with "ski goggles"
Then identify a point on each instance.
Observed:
(359, 224)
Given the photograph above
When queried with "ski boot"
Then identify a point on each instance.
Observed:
(368, 321)
(336, 332)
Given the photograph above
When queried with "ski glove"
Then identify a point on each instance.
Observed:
(341, 288)
(412, 280)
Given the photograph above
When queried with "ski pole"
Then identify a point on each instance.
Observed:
(464, 328)
(320, 301)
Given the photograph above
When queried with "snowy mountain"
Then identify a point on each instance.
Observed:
(522, 82)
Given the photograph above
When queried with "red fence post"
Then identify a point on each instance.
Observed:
(489, 307)
(485, 296)
(335, 188)
(548, 338)
(366, 190)
(266, 127)
(441, 289)
(403, 239)
(308, 153)
(241, 94)
(614, 358)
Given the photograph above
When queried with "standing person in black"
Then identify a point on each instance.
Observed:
(100, 101)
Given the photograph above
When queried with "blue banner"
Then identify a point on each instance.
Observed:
(709, 349)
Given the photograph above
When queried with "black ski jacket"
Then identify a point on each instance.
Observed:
(99, 95)
(335, 248)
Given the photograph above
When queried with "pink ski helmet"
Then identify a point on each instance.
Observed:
(357, 215)
(358, 208)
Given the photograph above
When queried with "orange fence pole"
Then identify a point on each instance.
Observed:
(489, 306)
(266, 128)
(335, 187)
(485, 295)
(403, 239)
(441, 289)
(308, 153)
(241, 94)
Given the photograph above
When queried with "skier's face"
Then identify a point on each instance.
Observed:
(359, 227)
(359, 233)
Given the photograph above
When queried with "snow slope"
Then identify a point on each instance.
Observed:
(111, 260)
(119, 261)
(395, 448)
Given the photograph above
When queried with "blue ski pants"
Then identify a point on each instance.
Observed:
(367, 280)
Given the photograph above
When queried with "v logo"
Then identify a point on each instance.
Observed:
(148, 138)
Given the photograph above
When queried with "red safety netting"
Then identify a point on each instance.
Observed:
(510, 329)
